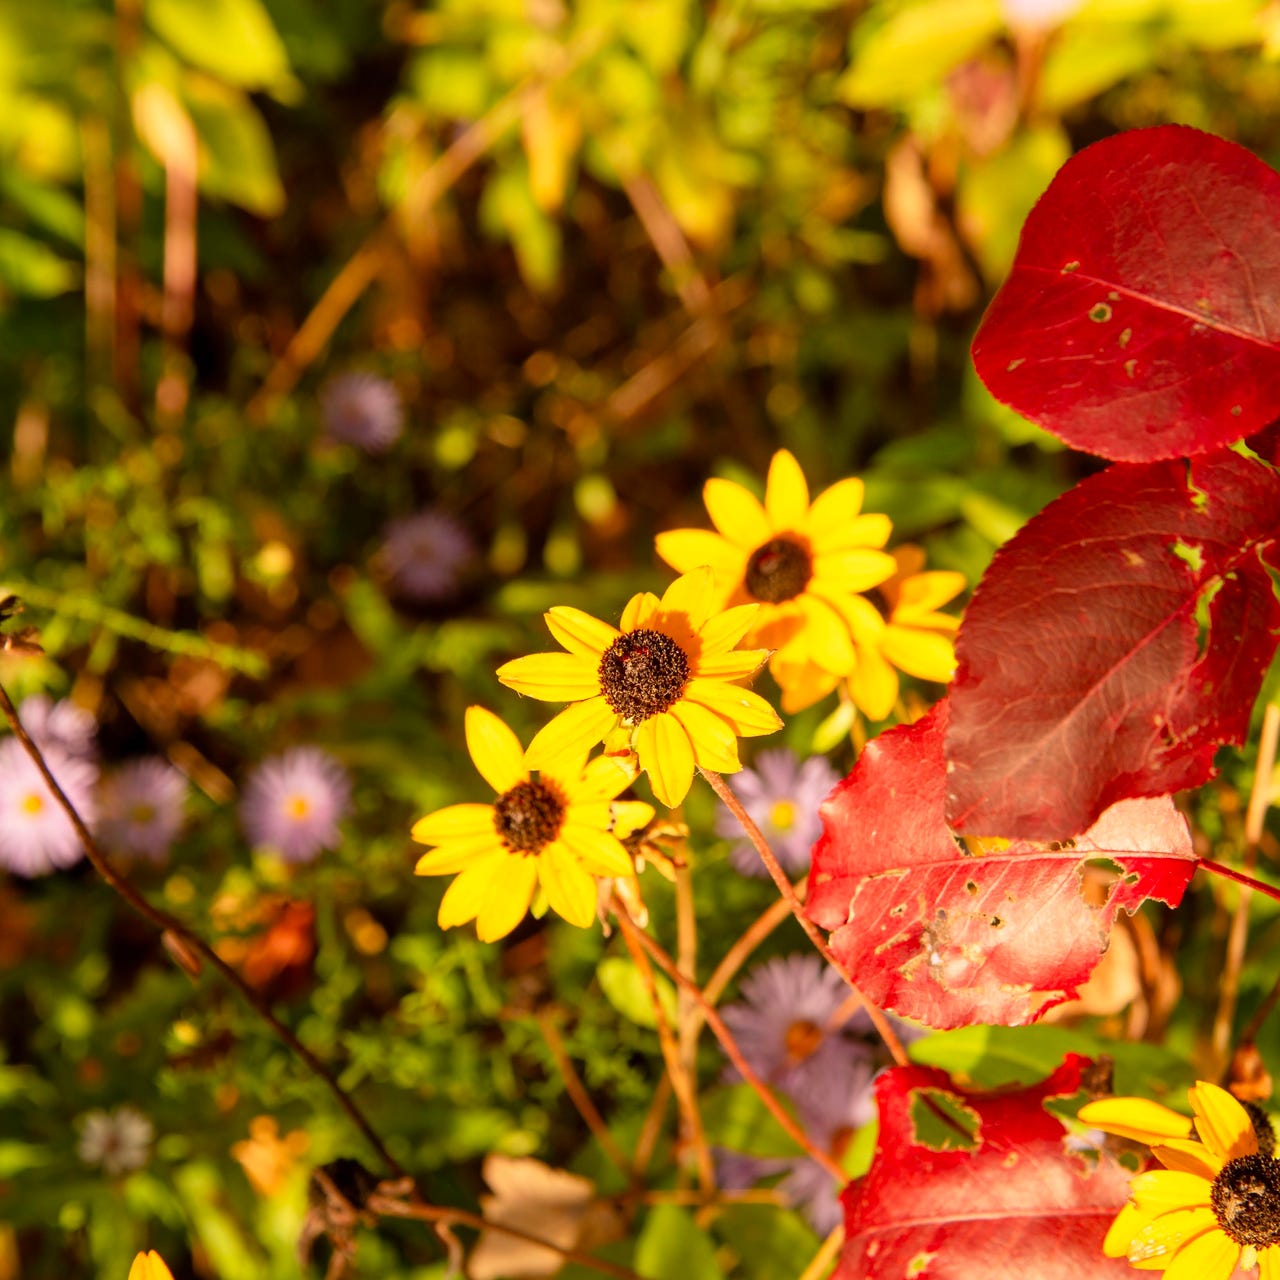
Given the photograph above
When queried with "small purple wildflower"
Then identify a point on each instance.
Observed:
(426, 554)
(782, 796)
(142, 809)
(293, 803)
(362, 409)
(784, 1022)
(36, 836)
(119, 1141)
(59, 724)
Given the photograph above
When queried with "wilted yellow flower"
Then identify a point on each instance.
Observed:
(659, 685)
(149, 1266)
(552, 831)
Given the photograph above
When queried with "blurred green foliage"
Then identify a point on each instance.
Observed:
(603, 250)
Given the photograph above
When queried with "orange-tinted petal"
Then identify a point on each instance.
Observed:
(1189, 1156)
(715, 745)
(748, 713)
(922, 593)
(640, 608)
(508, 898)
(149, 1266)
(579, 632)
(802, 684)
(691, 597)
(1222, 1123)
(786, 493)
(570, 735)
(736, 513)
(495, 751)
(570, 891)
(666, 755)
(552, 677)
(455, 822)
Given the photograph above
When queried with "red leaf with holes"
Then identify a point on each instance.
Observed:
(951, 937)
(1141, 319)
(1018, 1203)
(1114, 644)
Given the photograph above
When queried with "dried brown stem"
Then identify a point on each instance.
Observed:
(734, 805)
(821, 1261)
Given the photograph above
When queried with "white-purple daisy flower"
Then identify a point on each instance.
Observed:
(142, 809)
(362, 409)
(59, 724)
(426, 554)
(782, 795)
(119, 1141)
(293, 802)
(36, 836)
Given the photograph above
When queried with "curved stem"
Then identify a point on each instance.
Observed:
(1229, 873)
(174, 927)
(878, 1019)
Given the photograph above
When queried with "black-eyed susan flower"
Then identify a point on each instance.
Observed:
(551, 831)
(659, 684)
(1216, 1203)
(799, 561)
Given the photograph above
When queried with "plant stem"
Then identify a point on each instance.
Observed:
(1229, 873)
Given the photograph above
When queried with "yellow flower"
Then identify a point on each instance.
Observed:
(658, 685)
(800, 562)
(914, 638)
(552, 831)
(149, 1266)
(1216, 1203)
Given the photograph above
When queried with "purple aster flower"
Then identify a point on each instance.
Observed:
(782, 796)
(426, 554)
(36, 836)
(294, 802)
(59, 724)
(362, 409)
(143, 805)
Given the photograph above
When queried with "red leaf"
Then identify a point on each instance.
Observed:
(949, 937)
(1017, 1205)
(1083, 674)
(1141, 319)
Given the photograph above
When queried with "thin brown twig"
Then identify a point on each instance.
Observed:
(579, 1096)
(734, 805)
(173, 926)
(826, 1255)
(631, 930)
(688, 1023)
(651, 1128)
(686, 1099)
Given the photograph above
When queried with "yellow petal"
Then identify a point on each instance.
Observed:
(495, 751)
(748, 713)
(829, 643)
(1163, 1236)
(640, 608)
(604, 778)
(570, 735)
(552, 677)
(689, 597)
(737, 664)
(685, 549)
(786, 493)
(579, 632)
(922, 593)
(802, 685)
(1222, 1123)
(833, 509)
(458, 855)
(599, 852)
(857, 570)
(570, 891)
(923, 654)
(1211, 1256)
(715, 745)
(871, 530)
(721, 632)
(666, 755)
(736, 513)
(863, 619)
(1139, 1119)
(1160, 1190)
(509, 896)
(873, 685)
(149, 1266)
(456, 822)
(1129, 1221)
(629, 816)
(1189, 1156)
(468, 893)
(1269, 1263)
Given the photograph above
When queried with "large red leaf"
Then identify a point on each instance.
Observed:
(1141, 319)
(949, 937)
(1086, 672)
(1018, 1204)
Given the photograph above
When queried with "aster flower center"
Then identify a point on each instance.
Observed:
(142, 813)
(782, 815)
(32, 803)
(779, 570)
(528, 817)
(1246, 1200)
(642, 674)
(802, 1040)
(297, 807)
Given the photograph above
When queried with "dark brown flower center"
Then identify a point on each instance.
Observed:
(803, 1039)
(779, 570)
(527, 818)
(642, 674)
(1246, 1200)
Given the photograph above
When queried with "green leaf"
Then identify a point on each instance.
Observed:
(769, 1241)
(18, 1157)
(912, 50)
(508, 208)
(624, 989)
(234, 39)
(30, 267)
(48, 206)
(1086, 59)
(237, 160)
(671, 1245)
(734, 1117)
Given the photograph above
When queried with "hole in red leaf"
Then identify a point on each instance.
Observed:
(971, 886)
(941, 1122)
(1190, 554)
(1100, 314)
